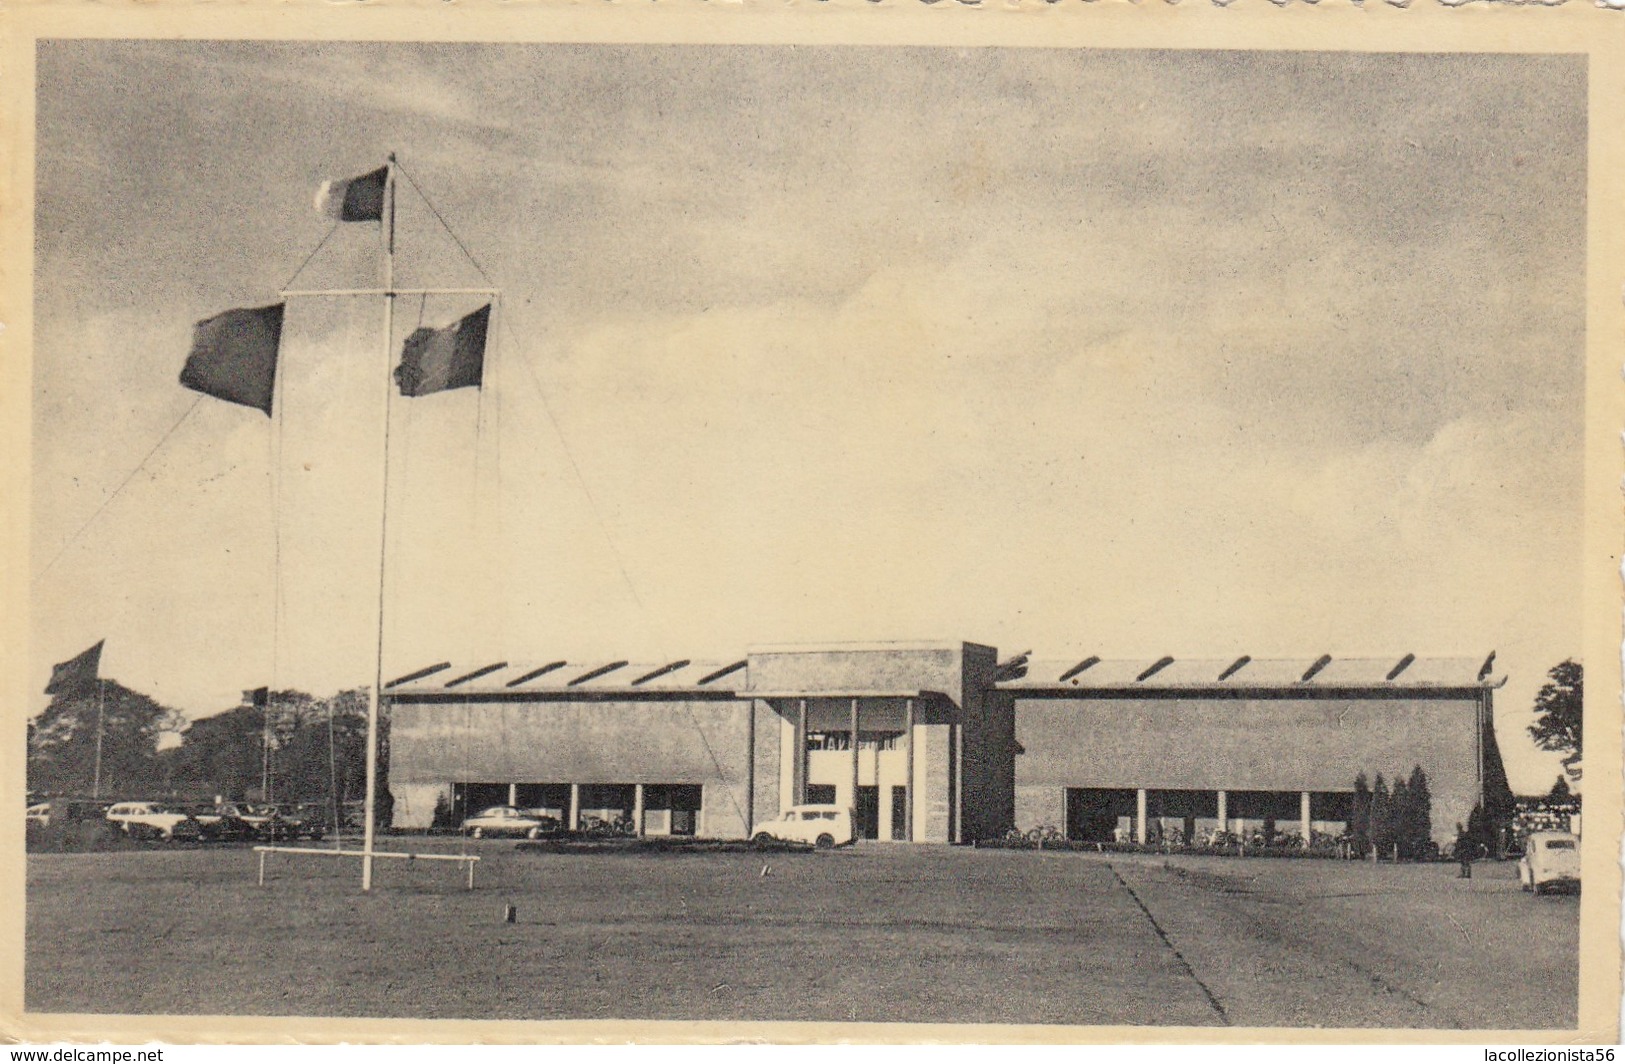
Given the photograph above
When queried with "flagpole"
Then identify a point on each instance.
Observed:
(373, 696)
(265, 750)
(101, 714)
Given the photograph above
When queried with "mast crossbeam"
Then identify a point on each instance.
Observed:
(289, 293)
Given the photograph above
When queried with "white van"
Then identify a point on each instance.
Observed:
(1551, 861)
(824, 826)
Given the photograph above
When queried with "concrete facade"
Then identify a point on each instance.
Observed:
(939, 742)
(1272, 741)
(929, 764)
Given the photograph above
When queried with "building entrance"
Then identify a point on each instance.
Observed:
(867, 825)
(1094, 814)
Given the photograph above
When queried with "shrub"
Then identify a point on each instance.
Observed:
(78, 836)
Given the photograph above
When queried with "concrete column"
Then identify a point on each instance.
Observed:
(908, 780)
(854, 759)
(1224, 810)
(637, 809)
(801, 754)
(513, 794)
(1303, 815)
(750, 768)
(1139, 816)
(959, 783)
(575, 807)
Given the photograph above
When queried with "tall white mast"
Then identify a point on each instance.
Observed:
(375, 695)
(387, 229)
(101, 717)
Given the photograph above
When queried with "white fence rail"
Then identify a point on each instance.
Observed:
(469, 859)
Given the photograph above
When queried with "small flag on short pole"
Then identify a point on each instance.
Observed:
(234, 356)
(77, 674)
(437, 360)
(360, 199)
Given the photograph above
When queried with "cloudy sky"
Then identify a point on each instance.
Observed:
(1081, 352)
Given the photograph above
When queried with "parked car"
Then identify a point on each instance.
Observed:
(1551, 861)
(273, 822)
(314, 816)
(221, 827)
(508, 820)
(44, 811)
(823, 826)
(153, 820)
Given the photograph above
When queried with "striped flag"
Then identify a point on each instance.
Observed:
(360, 199)
(436, 360)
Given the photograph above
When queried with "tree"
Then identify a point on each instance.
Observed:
(1559, 714)
(1416, 829)
(1481, 830)
(221, 754)
(62, 749)
(1399, 818)
(1560, 793)
(1360, 815)
(1382, 820)
(325, 755)
(318, 750)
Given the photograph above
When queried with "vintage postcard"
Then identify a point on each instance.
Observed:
(883, 522)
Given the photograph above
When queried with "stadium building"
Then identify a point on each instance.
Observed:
(941, 742)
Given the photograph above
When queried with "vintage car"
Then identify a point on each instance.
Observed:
(153, 820)
(273, 822)
(823, 826)
(1551, 861)
(43, 813)
(508, 820)
(221, 827)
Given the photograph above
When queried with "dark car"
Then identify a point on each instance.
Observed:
(274, 823)
(314, 818)
(222, 827)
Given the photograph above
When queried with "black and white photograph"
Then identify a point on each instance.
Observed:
(1077, 535)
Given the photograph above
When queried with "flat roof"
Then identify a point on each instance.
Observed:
(864, 645)
(1405, 672)
(561, 676)
(712, 679)
(839, 693)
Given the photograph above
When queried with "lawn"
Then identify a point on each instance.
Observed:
(876, 933)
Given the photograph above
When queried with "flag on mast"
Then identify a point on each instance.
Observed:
(234, 356)
(77, 674)
(437, 360)
(360, 199)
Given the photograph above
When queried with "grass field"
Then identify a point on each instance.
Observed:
(876, 933)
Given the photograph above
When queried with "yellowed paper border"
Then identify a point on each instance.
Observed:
(1248, 25)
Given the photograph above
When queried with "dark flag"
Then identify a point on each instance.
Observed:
(435, 360)
(360, 199)
(76, 674)
(234, 356)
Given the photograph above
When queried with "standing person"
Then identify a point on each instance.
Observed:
(1465, 852)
